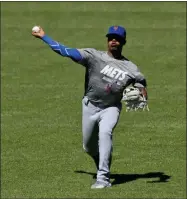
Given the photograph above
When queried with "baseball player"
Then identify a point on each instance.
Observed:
(107, 74)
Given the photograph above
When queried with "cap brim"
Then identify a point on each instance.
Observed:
(123, 37)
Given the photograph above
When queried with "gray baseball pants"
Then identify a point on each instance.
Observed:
(97, 128)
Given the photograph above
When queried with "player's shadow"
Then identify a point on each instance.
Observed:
(124, 178)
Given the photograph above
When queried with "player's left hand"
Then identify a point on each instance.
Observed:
(135, 99)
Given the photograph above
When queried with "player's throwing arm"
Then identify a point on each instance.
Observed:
(64, 51)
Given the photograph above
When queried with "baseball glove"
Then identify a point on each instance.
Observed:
(134, 100)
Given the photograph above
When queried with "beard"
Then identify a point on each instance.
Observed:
(114, 48)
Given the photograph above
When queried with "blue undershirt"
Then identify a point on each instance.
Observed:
(72, 53)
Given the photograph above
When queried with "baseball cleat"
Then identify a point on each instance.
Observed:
(100, 185)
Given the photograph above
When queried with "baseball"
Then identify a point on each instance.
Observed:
(36, 29)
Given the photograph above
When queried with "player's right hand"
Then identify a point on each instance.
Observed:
(39, 34)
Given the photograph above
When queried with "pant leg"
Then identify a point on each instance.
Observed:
(90, 128)
(108, 120)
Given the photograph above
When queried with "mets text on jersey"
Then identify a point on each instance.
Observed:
(113, 73)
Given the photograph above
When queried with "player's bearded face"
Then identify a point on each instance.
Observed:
(115, 43)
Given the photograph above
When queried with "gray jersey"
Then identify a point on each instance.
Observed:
(106, 77)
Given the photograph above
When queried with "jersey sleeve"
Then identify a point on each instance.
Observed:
(139, 79)
(87, 55)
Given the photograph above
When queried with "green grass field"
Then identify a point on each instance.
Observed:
(41, 141)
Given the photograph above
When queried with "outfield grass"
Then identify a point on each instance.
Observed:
(41, 142)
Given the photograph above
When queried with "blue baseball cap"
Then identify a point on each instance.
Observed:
(117, 30)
